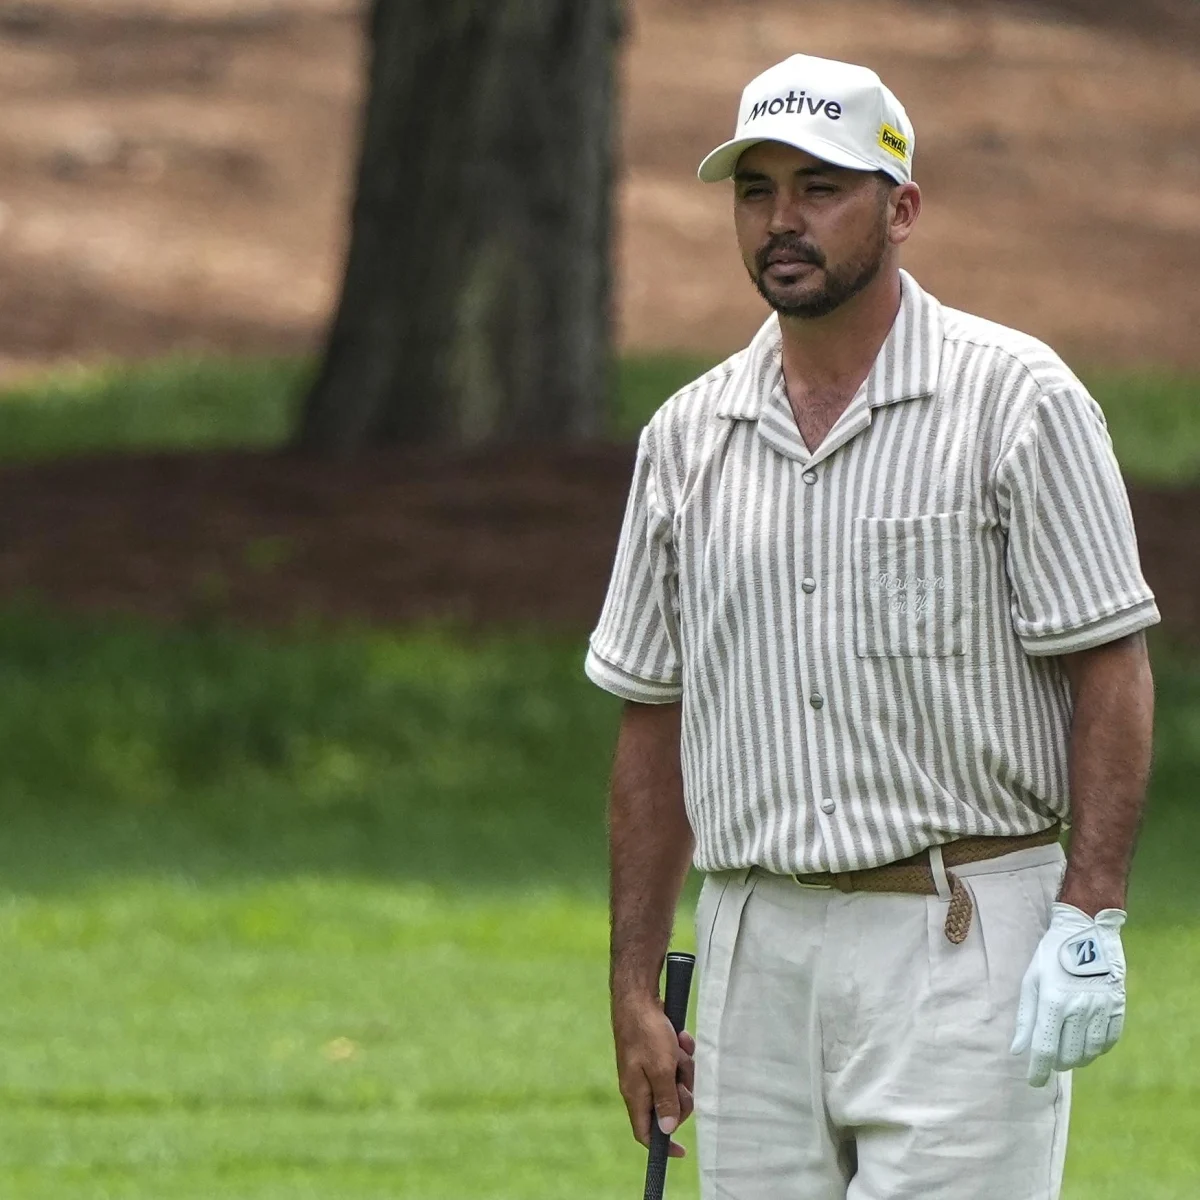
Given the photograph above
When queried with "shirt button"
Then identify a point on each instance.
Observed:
(809, 477)
(808, 584)
(817, 700)
(827, 806)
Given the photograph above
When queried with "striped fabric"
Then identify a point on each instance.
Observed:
(863, 637)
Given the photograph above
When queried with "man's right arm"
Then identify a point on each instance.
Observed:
(651, 844)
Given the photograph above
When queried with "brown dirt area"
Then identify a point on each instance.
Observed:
(518, 537)
(176, 177)
(1060, 168)
(176, 172)
(512, 538)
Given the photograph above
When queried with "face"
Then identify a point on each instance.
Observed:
(813, 235)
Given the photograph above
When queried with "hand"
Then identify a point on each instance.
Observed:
(654, 1067)
(1073, 994)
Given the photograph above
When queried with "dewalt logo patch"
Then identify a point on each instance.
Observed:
(894, 142)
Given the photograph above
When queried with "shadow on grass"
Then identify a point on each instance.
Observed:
(427, 755)
(213, 754)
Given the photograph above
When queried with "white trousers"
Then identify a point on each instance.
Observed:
(847, 1051)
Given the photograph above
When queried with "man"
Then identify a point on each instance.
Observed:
(876, 614)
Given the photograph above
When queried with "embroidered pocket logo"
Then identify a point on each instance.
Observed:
(908, 593)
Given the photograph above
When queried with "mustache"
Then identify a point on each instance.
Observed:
(793, 245)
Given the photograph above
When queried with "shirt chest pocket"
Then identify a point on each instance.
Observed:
(911, 585)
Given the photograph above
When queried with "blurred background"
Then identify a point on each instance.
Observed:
(302, 788)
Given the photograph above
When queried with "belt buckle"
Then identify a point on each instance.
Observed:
(798, 880)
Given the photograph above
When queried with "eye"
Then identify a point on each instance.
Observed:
(821, 189)
(754, 192)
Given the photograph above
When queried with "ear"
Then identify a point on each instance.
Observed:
(904, 207)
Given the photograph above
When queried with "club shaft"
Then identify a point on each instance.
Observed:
(675, 1004)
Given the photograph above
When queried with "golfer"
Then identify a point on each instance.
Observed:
(876, 615)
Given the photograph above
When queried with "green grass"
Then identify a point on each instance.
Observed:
(186, 404)
(1154, 419)
(323, 916)
(174, 404)
(645, 381)
(220, 753)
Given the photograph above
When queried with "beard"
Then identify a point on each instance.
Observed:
(842, 282)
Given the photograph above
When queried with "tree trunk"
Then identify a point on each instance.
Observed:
(475, 307)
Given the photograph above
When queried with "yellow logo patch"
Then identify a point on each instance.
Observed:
(894, 142)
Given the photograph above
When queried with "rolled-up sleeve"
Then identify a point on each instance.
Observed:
(1071, 556)
(634, 650)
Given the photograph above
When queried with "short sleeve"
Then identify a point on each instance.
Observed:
(1071, 557)
(634, 651)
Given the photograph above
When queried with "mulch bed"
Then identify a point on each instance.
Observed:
(514, 537)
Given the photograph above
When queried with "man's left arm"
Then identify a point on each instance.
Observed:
(1111, 728)
(1078, 594)
(1072, 1006)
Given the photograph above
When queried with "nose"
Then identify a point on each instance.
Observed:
(786, 215)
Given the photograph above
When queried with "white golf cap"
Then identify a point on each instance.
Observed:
(835, 111)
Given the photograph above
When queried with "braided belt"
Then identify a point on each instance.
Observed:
(914, 875)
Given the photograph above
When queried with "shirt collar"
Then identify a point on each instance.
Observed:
(906, 367)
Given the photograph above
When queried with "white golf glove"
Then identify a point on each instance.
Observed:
(1073, 994)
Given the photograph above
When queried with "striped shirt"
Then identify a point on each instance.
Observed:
(863, 637)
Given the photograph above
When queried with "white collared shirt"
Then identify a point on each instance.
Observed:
(863, 637)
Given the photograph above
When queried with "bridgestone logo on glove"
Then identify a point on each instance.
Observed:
(1084, 956)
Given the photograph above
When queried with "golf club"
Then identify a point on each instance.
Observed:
(675, 1005)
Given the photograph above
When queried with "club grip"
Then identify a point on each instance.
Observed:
(679, 987)
(675, 1005)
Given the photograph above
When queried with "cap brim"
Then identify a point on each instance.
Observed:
(722, 162)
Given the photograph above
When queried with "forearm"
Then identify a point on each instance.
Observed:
(650, 843)
(1109, 769)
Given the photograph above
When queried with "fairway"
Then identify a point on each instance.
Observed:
(345, 1039)
(324, 917)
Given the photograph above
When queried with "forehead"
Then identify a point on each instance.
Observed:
(780, 159)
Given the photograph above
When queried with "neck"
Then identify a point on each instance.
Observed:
(836, 353)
